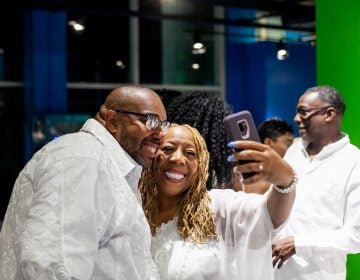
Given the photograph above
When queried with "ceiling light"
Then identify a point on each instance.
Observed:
(282, 52)
(77, 26)
(120, 64)
(195, 66)
(198, 46)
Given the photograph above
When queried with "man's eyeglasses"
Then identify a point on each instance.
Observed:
(304, 112)
(152, 122)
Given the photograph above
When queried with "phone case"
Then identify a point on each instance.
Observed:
(241, 126)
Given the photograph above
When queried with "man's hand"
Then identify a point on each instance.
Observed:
(282, 250)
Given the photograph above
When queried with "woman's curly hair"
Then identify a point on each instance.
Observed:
(195, 220)
(205, 113)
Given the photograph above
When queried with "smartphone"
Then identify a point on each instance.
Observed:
(241, 126)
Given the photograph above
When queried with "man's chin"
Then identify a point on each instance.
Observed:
(143, 161)
(303, 133)
(147, 155)
(146, 162)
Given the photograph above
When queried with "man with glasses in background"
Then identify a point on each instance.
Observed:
(324, 225)
(75, 212)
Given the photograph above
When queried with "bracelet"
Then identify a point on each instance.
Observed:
(290, 187)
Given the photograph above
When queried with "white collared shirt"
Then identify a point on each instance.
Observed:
(325, 220)
(74, 213)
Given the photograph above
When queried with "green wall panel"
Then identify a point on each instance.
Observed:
(338, 56)
(338, 64)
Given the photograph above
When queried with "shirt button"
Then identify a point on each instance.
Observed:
(61, 273)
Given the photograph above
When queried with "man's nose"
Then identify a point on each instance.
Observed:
(158, 135)
(297, 118)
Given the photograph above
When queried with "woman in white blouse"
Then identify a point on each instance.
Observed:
(217, 234)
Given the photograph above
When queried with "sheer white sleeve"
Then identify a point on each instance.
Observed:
(244, 228)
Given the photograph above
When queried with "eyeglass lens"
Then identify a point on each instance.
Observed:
(301, 111)
(164, 125)
(153, 122)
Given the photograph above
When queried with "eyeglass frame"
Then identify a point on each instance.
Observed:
(308, 110)
(164, 125)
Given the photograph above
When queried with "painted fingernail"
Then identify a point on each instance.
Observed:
(231, 144)
(231, 158)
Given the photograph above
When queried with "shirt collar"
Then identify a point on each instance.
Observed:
(128, 164)
(330, 148)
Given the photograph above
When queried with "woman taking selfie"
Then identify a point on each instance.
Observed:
(217, 234)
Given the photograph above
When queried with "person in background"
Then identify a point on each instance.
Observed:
(277, 134)
(75, 212)
(324, 224)
(205, 113)
(216, 234)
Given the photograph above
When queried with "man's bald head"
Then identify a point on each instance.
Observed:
(124, 97)
(128, 97)
(124, 115)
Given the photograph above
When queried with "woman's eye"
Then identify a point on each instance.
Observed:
(190, 153)
(167, 149)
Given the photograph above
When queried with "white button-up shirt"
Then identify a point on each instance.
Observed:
(325, 220)
(75, 213)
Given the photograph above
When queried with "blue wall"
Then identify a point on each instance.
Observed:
(44, 68)
(258, 82)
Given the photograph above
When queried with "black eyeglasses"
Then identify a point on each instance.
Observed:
(152, 122)
(304, 112)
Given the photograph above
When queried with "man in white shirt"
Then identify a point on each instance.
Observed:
(75, 212)
(324, 225)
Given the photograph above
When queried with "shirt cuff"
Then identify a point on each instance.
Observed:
(302, 247)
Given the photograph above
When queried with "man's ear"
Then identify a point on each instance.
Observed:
(331, 114)
(102, 111)
(268, 141)
(100, 115)
(111, 121)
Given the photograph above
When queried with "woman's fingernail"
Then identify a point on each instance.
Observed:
(231, 158)
(231, 144)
